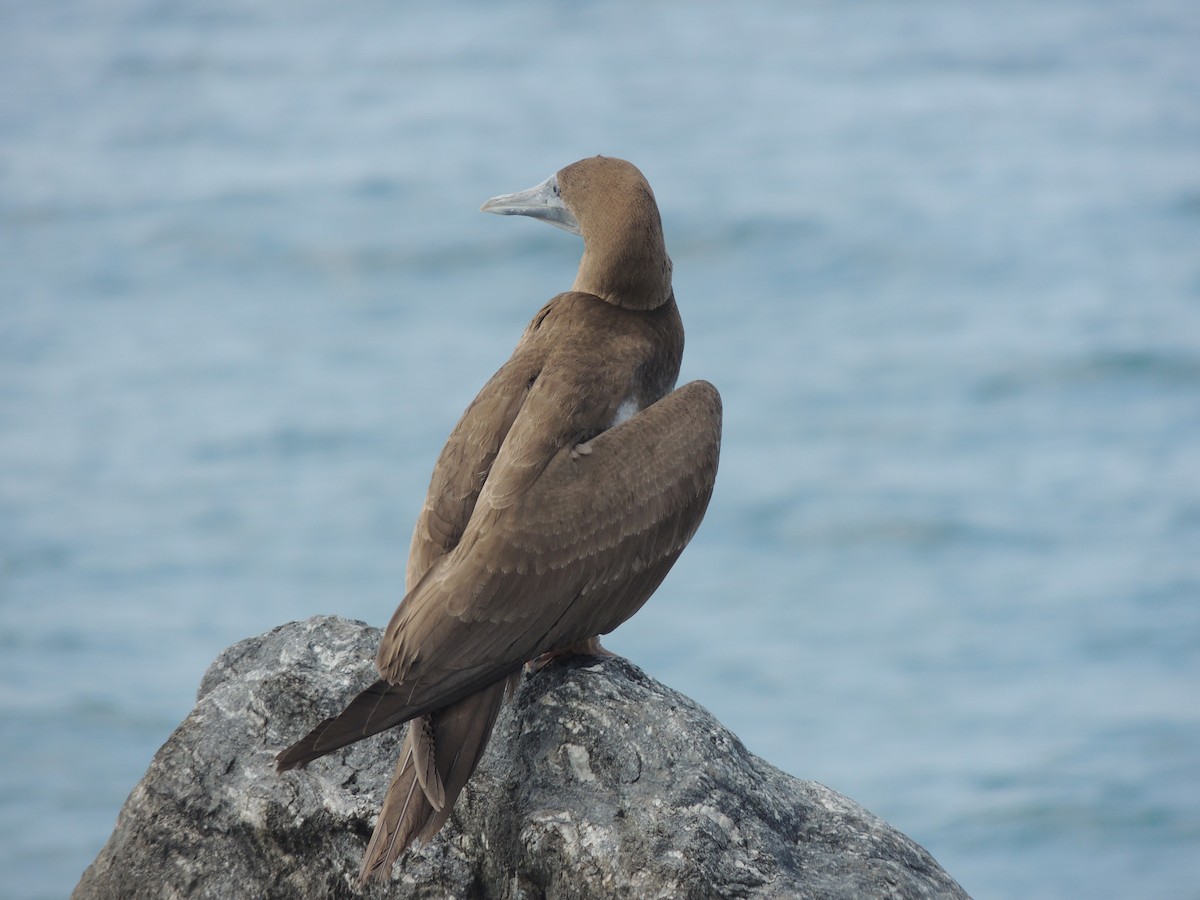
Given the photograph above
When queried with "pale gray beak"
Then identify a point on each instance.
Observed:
(541, 202)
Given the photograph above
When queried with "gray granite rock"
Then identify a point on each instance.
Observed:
(599, 782)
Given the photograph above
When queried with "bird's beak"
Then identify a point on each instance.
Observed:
(542, 202)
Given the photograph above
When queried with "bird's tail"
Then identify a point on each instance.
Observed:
(440, 752)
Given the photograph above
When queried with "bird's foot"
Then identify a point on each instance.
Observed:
(589, 647)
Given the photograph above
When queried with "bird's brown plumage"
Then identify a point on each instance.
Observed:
(552, 513)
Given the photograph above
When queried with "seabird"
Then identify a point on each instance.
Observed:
(562, 498)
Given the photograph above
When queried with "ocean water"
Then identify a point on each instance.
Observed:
(942, 260)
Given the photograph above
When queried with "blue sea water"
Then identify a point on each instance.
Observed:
(942, 260)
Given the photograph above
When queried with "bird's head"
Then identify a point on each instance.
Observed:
(610, 203)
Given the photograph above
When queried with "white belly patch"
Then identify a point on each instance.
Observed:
(626, 411)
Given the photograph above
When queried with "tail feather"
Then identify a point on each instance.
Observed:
(377, 708)
(424, 757)
(440, 752)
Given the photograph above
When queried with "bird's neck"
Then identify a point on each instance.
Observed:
(634, 273)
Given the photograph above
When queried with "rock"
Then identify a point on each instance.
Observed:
(599, 782)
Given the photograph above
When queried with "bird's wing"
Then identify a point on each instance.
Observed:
(465, 461)
(576, 555)
(573, 555)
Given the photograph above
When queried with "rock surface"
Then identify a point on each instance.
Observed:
(599, 782)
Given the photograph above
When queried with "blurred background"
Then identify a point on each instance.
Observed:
(942, 260)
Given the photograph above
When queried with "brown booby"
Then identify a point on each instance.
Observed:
(562, 498)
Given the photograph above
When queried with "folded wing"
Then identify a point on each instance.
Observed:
(573, 556)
